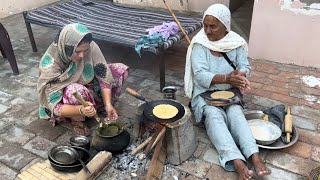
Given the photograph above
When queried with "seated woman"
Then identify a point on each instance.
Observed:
(74, 62)
(208, 70)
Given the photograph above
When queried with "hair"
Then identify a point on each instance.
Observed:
(86, 39)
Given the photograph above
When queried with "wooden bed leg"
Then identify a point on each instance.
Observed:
(162, 72)
(33, 43)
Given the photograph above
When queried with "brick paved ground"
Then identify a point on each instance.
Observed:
(24, 139)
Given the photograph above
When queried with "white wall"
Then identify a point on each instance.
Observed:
(285, 32)
(9, 7)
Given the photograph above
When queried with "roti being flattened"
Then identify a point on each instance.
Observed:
(165, 111)
(222, 95)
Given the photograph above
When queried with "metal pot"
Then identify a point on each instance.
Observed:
(169, 92)
(80, 141)
(64, 155)
(108, 139)
(74, 167)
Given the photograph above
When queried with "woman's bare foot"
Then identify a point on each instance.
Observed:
(259, 166)
(242, 169)
(80, 128)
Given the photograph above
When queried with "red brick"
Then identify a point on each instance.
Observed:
(278, 78)
(275, 89)
(280, 84)
(259, 92)
(289, 75)
(315, 153)
(288, 68)
(299, 149)
(260, 80)
(309, 137)
(309, 90)
(264, 67)
(291, 163)
(310, 71)
(188, 177)
(294, 87)
(201, 147)
(196, 168)
(312, 105)
(218, 173)
(255, 85)
(284, 99)
(260, 74)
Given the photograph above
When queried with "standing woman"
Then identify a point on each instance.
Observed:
(206, 70)
(74, 62)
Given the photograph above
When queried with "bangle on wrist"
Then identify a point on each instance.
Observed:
(81, 113)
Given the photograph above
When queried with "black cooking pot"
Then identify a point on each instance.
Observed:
(150, 105)
(74, 167)
(108, 139)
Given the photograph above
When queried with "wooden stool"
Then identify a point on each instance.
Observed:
(6, 49)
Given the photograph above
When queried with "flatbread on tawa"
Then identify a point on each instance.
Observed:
(165, 111)
(222, 95)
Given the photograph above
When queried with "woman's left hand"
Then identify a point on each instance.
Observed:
(246, 88)
(112, 113)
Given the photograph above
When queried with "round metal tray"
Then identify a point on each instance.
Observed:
(279, 144)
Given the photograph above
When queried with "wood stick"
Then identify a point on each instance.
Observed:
(141, 146)
(157, 161)
(177, 21)
(96, 166)
(158, 138)
(148, 148)
(154, 137)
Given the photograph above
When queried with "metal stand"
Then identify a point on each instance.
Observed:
(162, 70)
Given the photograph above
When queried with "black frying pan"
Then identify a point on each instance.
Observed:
(148, 109)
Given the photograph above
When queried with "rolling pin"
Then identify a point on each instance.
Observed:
(288, 124)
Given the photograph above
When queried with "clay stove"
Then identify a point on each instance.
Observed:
(180, 135)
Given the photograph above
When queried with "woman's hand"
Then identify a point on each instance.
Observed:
(88, 111)
(112, 113)
(237, 79)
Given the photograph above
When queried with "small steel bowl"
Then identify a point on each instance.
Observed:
(264, 132)
(253, 114)
(80, 141)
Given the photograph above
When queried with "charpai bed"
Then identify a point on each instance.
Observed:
(111, 23)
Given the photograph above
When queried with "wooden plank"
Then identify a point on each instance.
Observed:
(55, 173)
(42, 172)
(96, 165)
(21, 177)
(28, 175)
(157, 161)
(36, 174)
(61, 173)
